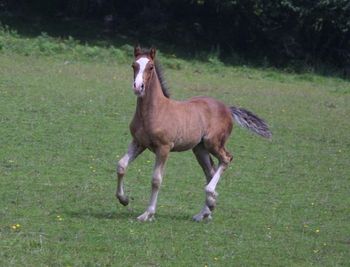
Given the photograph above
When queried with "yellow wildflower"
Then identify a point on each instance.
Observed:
(15, 226)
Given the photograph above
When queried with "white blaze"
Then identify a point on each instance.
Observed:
(139, 77)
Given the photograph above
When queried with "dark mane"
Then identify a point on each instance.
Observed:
(160, 74)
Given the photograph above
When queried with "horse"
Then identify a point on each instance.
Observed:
(163, 125)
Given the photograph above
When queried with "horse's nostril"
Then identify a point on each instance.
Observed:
(142, 86)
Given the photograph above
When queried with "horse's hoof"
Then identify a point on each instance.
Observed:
(200, 217)
(197, 218)
(124, 200)
(146, 217)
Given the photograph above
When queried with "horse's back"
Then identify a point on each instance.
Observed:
(213, 115)
(216, 116)
(211, 108)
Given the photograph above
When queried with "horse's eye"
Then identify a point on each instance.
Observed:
(151, 67)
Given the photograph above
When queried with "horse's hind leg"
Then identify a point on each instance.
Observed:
(224, 158)
(133, 151)
(205, 161)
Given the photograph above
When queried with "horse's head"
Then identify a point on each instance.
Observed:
(143, 66)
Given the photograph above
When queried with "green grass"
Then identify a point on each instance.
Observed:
(64, 119)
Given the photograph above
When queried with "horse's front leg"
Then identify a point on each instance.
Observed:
(161, 157)
(134, 150)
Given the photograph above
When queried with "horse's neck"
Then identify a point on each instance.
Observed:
(153, 100)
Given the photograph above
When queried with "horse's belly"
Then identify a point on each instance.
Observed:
(182, 144)
(179, 139)
(182, 147)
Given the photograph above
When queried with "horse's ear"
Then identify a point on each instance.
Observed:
(137, 50)
(152, 53)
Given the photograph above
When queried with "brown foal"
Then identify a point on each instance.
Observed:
(162, 125)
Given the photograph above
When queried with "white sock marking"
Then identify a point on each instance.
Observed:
(212, 185)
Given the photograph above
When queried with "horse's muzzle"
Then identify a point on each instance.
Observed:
(139, 90)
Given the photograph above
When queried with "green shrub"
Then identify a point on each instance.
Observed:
(45, 45)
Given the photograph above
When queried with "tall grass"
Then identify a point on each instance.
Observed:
(44, 45)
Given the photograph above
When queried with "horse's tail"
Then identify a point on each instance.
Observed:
(252, 122)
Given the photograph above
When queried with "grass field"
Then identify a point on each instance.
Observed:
(64, 124)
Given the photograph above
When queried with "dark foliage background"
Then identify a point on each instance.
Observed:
(312, 32)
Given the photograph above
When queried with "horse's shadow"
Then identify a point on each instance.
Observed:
(100, 214)
(124, 214)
